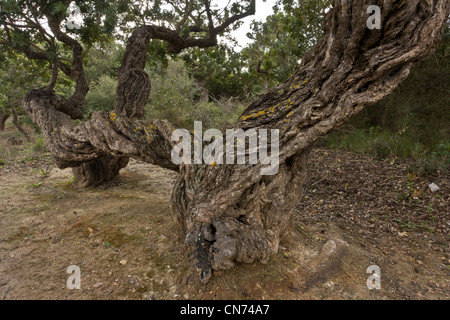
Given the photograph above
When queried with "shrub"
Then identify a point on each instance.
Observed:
(101, 96)
(178, 98)
(39, 145)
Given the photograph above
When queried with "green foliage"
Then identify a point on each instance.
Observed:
(178, 98)
(437, 160)
(281, 41)
(379, 142)
(221, 70)
(18, 76)
(173, 95)
(41, 172)
(278, 43)
(443, 151)
(157, 55)
(103, 60)
(39, 145)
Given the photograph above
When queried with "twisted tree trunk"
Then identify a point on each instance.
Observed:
(3, 118)
(19, 127)
(232, 213)
(132, 94)
(99, 171)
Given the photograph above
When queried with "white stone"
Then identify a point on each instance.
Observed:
(434, 188)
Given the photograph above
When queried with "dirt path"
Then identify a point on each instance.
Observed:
(124, 239)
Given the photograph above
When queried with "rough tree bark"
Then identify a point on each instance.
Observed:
(19, 127)
(97, 171)
(3, 118)
(232, 214)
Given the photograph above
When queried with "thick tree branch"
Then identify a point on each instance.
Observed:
(250, 12)
(54, 78)
(19, 127)
(103, 135)
(78, 74)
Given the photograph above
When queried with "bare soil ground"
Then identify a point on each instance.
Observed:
(125, 241)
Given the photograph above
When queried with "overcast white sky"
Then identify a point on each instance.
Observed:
(263, 10)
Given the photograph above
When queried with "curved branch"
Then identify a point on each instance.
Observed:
(77, 71)
(54, 78)
(264, 72)
(106, 134)
(250, 12)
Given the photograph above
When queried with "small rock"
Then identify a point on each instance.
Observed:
(76, 211)
(96, 244)
(97, 285)
(434, 188)
(163, 239)
(123, 262)
(403, 234)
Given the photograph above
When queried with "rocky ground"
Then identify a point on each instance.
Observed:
(127, 245)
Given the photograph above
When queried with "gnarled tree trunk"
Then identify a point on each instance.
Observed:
(132, 94)
(232, 213)
(19, 126)
(98, 171)
(3, 118)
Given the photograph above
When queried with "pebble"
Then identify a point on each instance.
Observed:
(434, 188)
(163, 239)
